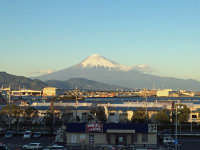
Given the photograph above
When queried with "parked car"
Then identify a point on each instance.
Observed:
(56, 147)
(27, 134)
(36, 135)
(3, 147)
(172, 145)
(168, 140)
(35, 146)
(167, 131)
(9, 134)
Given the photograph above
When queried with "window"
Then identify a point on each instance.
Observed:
(135, 137)
(112, 114)
(73, 138)
(82, 138)
(120, 139)
(144, 137)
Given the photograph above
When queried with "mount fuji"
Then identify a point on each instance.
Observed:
(101, 69)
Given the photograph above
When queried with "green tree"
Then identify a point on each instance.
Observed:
(47, 118)
(15, 112)
(100, 113)
(140, 116)
(162, 117)
(183, 112)
(123, 118)
(30, 113)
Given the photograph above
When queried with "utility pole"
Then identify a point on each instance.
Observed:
(76, 103)
(9, 109)
(146, 102)
(176, 126)
(52, 116)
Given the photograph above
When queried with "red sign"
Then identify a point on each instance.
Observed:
(94, 127)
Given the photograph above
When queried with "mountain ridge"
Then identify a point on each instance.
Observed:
(113, 74)
(9, 80)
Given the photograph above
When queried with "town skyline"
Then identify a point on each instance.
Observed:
(39, 37)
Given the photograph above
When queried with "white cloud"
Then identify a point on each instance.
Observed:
(42, 72)
(144, 68)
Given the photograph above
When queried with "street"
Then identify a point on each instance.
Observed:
(190, 143)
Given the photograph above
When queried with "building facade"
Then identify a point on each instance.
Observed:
(111, 134)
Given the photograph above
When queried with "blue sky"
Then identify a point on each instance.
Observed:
(38, 35)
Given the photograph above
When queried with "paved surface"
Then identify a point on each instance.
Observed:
(19, 141)
(188, 143)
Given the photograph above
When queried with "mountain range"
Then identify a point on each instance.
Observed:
(16, 82)
(101, 69)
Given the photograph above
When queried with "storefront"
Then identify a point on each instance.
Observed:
(111, 134)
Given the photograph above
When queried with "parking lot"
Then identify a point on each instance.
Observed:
(188, 143)
(18, 141)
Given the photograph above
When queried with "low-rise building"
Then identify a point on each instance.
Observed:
(52, 91)
(164, 92)
(111, 134)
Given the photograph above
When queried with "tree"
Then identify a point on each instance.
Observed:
(140, 116)
(47, 118)
(30, 113)
(123, 118)
(100, 113)
(162, 117)
(66, 114)
(15, 112)
(183, 112)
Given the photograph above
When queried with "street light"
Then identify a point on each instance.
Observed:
(177, 107)
(9, 113)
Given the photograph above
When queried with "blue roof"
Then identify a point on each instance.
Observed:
(133, 108)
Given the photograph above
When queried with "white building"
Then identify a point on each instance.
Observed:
(164, 92)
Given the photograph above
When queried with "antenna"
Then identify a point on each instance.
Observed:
(154, 85)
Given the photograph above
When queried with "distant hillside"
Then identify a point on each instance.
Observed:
(83, 84)
(19, 81)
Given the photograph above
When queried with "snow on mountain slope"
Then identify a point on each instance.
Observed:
(96, 60)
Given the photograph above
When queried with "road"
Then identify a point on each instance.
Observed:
(190, 143)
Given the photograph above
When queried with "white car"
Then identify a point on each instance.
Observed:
(56, 147)
(168, 140)
(36, 135)
(3, 147)
(34, 146)
(27, 134)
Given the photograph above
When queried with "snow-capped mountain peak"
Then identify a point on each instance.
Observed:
(96, 60)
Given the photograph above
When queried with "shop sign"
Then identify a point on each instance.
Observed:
(94, 127)
(152, 128)
(91, 138)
